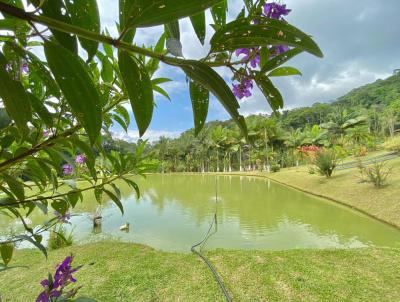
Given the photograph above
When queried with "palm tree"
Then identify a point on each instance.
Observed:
(217, 138)
(341, 121)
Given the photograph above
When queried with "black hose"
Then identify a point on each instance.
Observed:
(205, 259)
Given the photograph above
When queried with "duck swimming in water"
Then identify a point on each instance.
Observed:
(124, 227)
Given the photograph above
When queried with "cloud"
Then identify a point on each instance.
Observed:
(358, 38)
(151, 135)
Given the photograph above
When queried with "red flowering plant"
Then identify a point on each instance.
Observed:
(309, 152)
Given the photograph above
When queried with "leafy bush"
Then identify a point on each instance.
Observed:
(360, 151)
(59, 238)
(325, 162)
(376, 174)
(275, 168)
(392, 144)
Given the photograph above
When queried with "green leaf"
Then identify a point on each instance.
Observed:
(147, 13)
(85, 14)
(172, 30)
(115, 200)
(77, 86)
(125, 7)
(264, 56)
(218, 13)
(199, 25)
(120, 121)
(61, 206)
(121, 110)
(34, 242)
(16, 187)
(241, 34)
(15, 98)
(38, 67)
(138, 85)
(161, 91)
(158, 81)
(106, 70)
(152, 64)
(272, 94)
(98, 193)
(284, 71)
(133, 185)
(41, 110)
(200, 99)
(212, 81)
(108, 50)
(6, 250)
(56, 9)
(280, 59)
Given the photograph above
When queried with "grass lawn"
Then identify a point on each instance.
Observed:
(345, 187)
(129, 272)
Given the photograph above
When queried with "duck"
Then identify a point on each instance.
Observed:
(124, 227)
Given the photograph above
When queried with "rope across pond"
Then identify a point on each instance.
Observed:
(213, 270)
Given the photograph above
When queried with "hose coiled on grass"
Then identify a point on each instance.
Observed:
(204, 258)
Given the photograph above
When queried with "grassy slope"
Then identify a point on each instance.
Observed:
(345, 187)
(128, 272)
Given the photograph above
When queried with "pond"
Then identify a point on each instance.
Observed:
(175, 212)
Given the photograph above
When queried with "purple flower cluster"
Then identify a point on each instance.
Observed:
(275, 11)
(53, 287)
(64, 218)
(67, 169)
(250, 55)
(243, 89)
(80, 159)
(271, 10)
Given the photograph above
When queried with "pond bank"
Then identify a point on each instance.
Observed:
(131, 272)
(344, 187)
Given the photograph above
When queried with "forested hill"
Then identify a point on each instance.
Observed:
(381, 92)
(368, 100)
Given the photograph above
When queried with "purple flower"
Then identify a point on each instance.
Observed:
(243, 89)
(275, 11)
(24, 67)
(46, 132)
(277, 50)
(64, 271)
(80, 159)
(255, 61)
(45, 295)
(244, 51)
(63, 218)
(67, 169)
(53, 287)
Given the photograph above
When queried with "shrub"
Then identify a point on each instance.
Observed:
(392, 144)
(376, 174)
(275, 168)
(360, 151)
(59, 238)
(325, 162)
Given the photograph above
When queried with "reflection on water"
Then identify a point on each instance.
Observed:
(175, 212)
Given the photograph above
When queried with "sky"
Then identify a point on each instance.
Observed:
(360, 41)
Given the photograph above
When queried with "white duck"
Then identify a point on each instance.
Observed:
(124, 227)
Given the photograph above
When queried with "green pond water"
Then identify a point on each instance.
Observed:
(175, 212)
